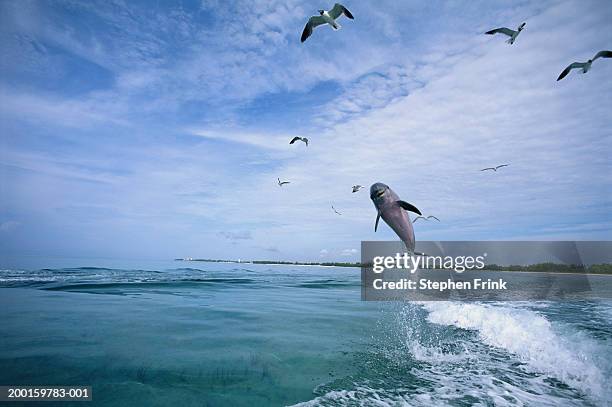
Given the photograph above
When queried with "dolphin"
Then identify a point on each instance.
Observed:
(393, 211)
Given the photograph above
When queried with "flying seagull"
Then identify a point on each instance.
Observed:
(510, 33)
(426, 218)
(304, 139)
(335, 210)
(326, 17)
(357, 188)
(585, 66)
(494, 168)
(280, 184)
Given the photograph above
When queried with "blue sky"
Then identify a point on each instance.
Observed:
(157, 129)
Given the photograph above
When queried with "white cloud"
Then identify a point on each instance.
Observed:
(348, 252)
(264, 141)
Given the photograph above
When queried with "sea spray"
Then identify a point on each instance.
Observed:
(566, 356)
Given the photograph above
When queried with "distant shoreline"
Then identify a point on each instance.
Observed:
(275, 263)
(556, 272)
(551, 268)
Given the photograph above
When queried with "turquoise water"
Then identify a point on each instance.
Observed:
(210, 334)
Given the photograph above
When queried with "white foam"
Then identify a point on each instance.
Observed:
(568, 356)
(443, 396)
(512, 357)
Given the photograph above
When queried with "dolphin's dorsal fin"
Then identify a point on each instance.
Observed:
(409, 207)
(377, 219)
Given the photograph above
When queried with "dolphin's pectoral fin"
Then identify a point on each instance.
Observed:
(377, 219)
(409, 207)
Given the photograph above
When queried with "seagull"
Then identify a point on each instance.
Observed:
(326, 17)
(304, 139)
(335, 210)
(510, 33)
(494, 168)
(280, 184)
(357, 188)
(426, 218)
(586, 66)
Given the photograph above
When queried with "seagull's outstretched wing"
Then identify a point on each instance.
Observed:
(417, 218)
(431, 216)
(500, 166)
(488, 168)
(569, 68)
(313, 22)
(502, 30)
(603, 54)
(338, 10)
(293, 140)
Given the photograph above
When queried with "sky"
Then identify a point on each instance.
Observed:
(158, 129)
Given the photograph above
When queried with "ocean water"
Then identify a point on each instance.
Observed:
(212, 334)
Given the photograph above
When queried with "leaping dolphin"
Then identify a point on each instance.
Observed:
(393, 211)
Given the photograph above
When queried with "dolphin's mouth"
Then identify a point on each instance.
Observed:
(378, 194)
